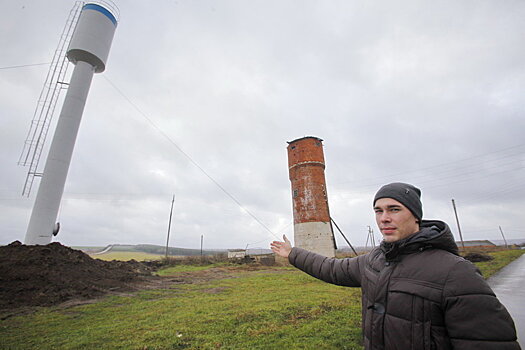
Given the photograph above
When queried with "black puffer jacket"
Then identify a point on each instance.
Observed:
(418, 294)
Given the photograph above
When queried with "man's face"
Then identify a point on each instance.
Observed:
(394, 220)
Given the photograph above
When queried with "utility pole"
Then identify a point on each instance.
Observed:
(457, 221)
(368, 238)
(371, 236)
(502, 235)
(201, 244)
(169, 226)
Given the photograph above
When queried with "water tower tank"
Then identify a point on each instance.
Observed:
(92, 38)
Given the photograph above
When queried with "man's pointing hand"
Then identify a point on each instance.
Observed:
(282, 248)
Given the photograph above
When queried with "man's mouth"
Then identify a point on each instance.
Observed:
(388, 230)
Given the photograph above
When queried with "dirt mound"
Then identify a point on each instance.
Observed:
(44, 275)
(478, 257)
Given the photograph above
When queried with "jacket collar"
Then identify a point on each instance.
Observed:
(433, 234)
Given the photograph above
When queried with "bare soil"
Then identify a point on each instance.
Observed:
(43, 275)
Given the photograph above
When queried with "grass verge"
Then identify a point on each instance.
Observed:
(501, 259)
(279, 308)
(168, 271)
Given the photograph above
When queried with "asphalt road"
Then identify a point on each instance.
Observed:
(509, 286)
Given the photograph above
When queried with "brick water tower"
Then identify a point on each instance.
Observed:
(312, 226)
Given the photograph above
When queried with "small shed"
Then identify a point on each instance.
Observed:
(261, 256)
(236, 253)
(477, 243)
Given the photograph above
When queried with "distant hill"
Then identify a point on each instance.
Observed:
(518, 241)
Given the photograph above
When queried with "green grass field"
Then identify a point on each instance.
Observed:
(125, 256)
(272, 308)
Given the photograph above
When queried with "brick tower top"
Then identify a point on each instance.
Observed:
(305, 150)
(306, 170)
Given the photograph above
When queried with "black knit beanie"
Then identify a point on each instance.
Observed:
(405, 194)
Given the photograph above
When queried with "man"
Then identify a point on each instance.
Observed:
(417, 292)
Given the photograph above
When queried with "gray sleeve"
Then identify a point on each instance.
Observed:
(343, 272)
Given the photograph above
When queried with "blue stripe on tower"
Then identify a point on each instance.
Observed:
(101, 10)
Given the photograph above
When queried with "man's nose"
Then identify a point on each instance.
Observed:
(385, 217)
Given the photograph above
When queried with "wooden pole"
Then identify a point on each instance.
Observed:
(457, 221)
(169, 226)
(201, 244)
(502, 235)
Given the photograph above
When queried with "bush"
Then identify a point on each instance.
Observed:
(195, 260)
(478, 257)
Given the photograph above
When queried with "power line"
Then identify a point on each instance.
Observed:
(443, 168)
(278, 232)
(188, 156)
(462, 174)
(26, 65)
(476, 176)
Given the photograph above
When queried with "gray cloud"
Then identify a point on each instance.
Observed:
(429, 94)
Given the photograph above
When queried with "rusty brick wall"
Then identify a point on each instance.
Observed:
(306, 169)
(307, 149)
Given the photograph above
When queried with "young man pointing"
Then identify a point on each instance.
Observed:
(417, 292)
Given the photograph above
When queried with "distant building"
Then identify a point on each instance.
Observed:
(262, 256)
(236, 253)
(481, 243)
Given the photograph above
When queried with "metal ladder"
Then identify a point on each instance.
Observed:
(47, 101)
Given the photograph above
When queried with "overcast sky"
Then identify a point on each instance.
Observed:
(430, 93)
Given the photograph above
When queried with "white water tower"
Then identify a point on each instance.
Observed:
(88, 50)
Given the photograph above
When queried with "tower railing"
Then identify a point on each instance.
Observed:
(45, 108)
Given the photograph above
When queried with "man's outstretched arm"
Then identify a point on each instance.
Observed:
(344, 272)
